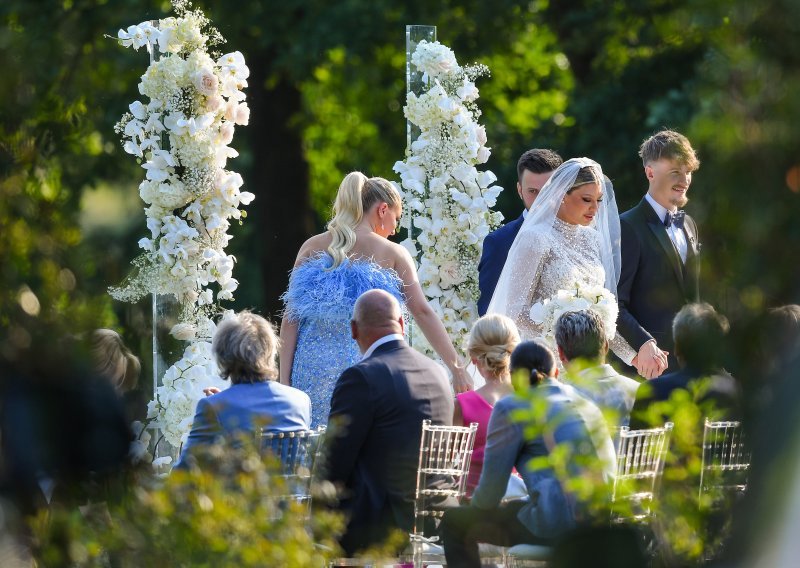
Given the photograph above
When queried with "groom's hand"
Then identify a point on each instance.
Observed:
(650, 361)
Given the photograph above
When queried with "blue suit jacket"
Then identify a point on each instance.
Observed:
(495, 251)
(243, 409)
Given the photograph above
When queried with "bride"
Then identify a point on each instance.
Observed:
(570, 236)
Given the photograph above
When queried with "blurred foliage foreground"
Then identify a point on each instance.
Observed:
(231, 514)
(231, 509)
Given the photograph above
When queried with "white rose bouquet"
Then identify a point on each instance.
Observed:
(596, 298)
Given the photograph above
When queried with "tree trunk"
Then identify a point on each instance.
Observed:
(280, 181)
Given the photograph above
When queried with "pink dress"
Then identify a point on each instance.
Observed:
(475, 408)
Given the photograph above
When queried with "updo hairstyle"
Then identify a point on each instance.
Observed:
(491, 341)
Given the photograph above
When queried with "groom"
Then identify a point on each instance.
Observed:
(660, 250)
(534, 168)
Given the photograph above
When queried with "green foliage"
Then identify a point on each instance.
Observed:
(232, 514)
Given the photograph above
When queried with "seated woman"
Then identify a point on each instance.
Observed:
(523, 431)
(491, 341)
(245, 347)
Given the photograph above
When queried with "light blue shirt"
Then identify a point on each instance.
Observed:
(551, 511)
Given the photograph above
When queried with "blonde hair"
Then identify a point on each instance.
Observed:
(491, 341)
(245, 347)
(114, 361)
(670, 145)
(357, 194)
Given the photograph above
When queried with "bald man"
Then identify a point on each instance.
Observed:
(375, 423)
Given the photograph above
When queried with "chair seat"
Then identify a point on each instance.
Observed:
(530, 552)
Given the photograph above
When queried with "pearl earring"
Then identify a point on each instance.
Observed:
(382, 227)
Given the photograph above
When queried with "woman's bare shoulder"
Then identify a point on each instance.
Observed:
(313, 245)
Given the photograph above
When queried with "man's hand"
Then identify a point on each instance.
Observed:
(650, 361)
(208, 391)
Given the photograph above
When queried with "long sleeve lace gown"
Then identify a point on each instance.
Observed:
(565, 255)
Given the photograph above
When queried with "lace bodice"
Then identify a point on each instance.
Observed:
(568, 254)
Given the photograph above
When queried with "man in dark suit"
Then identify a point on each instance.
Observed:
(534, 168)
(699, 334)
(660, 249)
(380, 404)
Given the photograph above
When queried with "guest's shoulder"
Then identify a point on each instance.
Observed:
(286, 390)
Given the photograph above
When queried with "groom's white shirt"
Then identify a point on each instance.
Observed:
(676, 235)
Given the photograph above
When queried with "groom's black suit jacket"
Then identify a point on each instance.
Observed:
(654, 283)
(383, 400)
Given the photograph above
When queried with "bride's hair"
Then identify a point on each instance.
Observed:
(356, 195)
(536, 357)
(491, 341)
(587, 174)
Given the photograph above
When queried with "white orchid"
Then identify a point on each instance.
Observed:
(446, 198)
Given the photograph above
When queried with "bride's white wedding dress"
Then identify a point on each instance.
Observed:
(549, 255)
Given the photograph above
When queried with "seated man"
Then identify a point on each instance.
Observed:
(566, 420)
(245, 347)
(581, 336)
(380, 404)
(699, 336)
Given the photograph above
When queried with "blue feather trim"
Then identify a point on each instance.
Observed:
(318, 293)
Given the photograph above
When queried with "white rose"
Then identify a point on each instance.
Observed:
(205, 82)
(183, 331)
(214, 103)
(226, 133)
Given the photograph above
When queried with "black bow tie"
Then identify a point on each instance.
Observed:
(675, 219)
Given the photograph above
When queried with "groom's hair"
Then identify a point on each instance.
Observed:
(581, 335)
(538, 161)
(670, 145)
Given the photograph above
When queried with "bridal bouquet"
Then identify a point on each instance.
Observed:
(447, 199)
(596, 298)
(180, 134)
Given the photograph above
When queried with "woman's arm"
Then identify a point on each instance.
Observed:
(288, 345)
(458, 415)
(429, 322)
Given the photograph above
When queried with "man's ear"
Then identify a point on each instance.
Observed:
(648, 172)
(402, 325)
(561, 355)
(353, 330)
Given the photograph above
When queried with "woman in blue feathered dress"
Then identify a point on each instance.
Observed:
(331, 271)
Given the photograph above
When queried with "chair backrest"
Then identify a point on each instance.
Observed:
(445, 453)
(640, 467)
(298, 453)
(726, 460)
